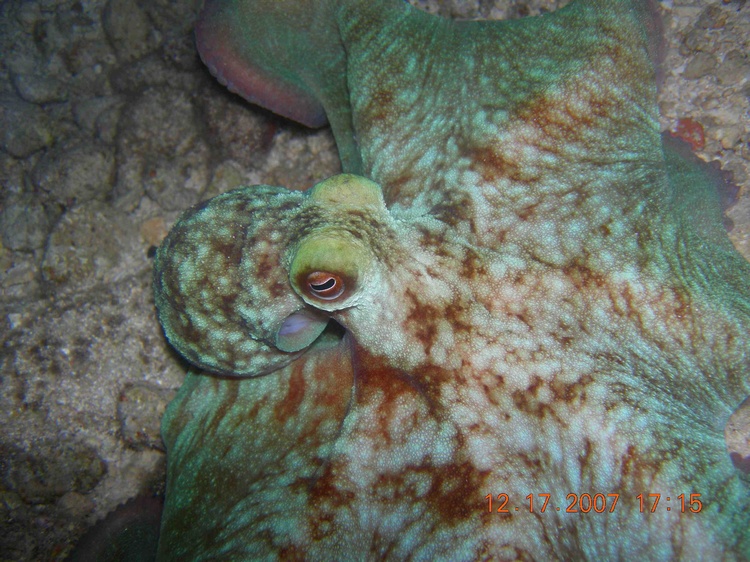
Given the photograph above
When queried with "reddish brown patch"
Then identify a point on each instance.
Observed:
(436, 243)
(455, 314)
(423, 319)
(293, 554)
(373, 375)
(493, 165)
(250, 415)
(456, 493)
(571, 392)
(526, 401)
(633, 467)
(266, 267)
(380, 105)
(457, 208)
(557, 121)
(395, 190)
(225, 405)
(324, 495)
(585, 455)
(472, 265)
(227, 303)
(564, 341)
(683, 307)
(584, 277)
(230, 250)
(295, 394)
(528, 212)
(691, 132)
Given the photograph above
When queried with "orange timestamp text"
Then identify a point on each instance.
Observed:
(596, 503)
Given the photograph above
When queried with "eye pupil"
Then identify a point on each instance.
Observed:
(324, 285)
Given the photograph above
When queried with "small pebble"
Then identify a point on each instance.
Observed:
(76, 171)
(702, 64)
(26, 128)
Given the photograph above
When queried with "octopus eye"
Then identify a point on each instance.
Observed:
(325, 285)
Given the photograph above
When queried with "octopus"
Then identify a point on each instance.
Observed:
(514, 327)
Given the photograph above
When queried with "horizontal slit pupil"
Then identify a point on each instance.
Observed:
(327, 284)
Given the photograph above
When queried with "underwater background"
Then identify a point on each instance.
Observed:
(110, 127)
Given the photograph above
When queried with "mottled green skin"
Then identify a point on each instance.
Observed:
(543, 302)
